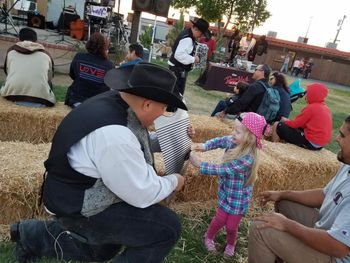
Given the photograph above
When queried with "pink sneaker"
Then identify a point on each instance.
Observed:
(209, 244)
(229, 251)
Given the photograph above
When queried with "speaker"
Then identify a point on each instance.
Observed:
(142, 5)
(161, 7)
(37, 21)
(156, 7)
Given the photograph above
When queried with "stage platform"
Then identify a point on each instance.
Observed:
(62, 52)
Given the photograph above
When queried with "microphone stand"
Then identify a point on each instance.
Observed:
(62, 27)
(7, 18)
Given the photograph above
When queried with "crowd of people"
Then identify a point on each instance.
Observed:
(101, 186)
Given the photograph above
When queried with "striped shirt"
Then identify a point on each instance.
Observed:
(233, 195)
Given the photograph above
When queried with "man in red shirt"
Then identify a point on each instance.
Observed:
(211, 44)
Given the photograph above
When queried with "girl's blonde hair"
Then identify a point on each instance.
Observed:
(246, 146)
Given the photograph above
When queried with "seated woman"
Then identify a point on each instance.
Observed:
(278, 81)
(238, 91)
(312, 128)
(88, 70)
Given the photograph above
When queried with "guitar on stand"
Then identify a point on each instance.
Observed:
(6, 18)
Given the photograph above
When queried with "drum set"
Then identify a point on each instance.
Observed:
(100, 17)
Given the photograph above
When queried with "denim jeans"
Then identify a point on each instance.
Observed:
(219, 107)
(147, 235)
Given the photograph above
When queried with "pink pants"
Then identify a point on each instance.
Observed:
(222, 219)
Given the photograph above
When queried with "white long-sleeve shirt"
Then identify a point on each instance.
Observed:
(183, 51)
(114, 154)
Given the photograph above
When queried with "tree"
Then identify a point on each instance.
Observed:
(175, 30)
(246, 13)
(146, 37)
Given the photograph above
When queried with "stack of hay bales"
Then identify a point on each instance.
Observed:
(22, 162)
(207, 127)
(282, 166)
(35, 125)
(20, 180)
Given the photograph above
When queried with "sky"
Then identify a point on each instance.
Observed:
(291, 19)
(315, 19)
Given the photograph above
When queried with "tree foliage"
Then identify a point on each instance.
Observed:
(247, 14)
(175, 30)
(146, 37)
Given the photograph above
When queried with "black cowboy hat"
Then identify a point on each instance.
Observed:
(146, 80)
(203, 26)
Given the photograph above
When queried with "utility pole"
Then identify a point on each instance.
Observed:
(340, 24)
(307, 31)
(118, 6)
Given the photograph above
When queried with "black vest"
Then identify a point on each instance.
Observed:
(185, 33)
(63, 189)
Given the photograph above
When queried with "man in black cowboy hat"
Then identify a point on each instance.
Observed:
(183, 52)
(101, 184)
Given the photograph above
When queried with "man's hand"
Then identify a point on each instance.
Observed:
(195, 160)
(180, 182)
(274, 220)
(267, 196)
(283, 119)
(199, 147)
(221, 115)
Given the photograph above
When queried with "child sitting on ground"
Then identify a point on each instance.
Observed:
(238, 91)
(312, 128)
(237, 174)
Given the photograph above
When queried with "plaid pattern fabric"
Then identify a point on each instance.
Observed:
(233, 195)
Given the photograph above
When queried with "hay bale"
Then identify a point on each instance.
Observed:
(287, 166)
(21, 178)
(282, 166)
(207, 127)
(35, 125)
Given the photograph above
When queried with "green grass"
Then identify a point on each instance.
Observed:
(190, 247)
(60, 92)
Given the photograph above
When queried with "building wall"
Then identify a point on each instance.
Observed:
(325, 67)
(162, 28)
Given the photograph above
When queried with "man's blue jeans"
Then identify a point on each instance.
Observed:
(147, 234)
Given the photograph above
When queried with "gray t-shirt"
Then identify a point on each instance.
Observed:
(335, 210)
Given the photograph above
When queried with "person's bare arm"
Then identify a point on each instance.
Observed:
(317, 239)
(311, 198)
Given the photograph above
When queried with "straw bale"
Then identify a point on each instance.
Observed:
(292, 167)
(207, 127)
(21, 178)
(282, 166)
(35, 125)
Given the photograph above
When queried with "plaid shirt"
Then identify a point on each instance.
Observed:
(233, 195)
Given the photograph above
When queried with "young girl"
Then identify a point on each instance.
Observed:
(238, 91)
(237, 174)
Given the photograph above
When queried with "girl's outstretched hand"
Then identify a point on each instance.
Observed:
(195, 160)
(191, 131)
(199, 147)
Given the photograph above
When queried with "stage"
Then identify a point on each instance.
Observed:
(62, 52)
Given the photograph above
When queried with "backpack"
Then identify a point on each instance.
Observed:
(270, 103)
